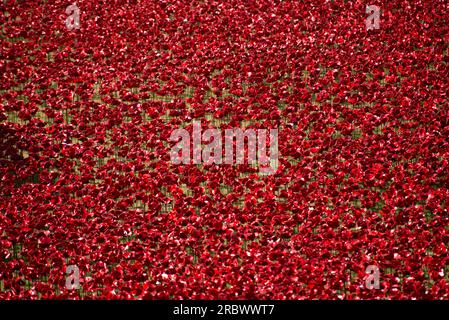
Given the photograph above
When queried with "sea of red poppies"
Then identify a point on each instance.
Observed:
(85, 171)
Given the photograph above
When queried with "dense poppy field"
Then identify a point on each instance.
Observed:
(85, 171)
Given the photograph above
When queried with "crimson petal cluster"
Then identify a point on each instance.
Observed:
(86, 177)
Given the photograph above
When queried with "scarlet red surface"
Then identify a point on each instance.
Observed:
(86, 178)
